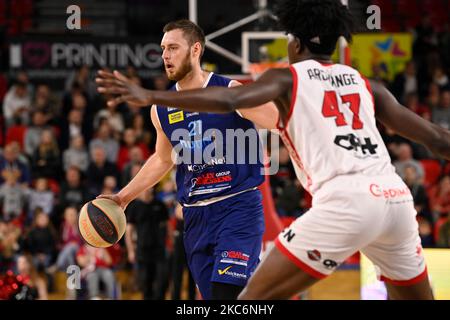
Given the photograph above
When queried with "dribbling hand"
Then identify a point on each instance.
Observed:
(115, 198)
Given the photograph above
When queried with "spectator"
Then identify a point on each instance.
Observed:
(138, 124)
(413, 104)
(74, 126)
(179, 263)
(109, 185)
(441, 114)
(426, 233)
(440, 197)
(96, 269)
(13, 196)
(167, 195)
(404, 159)
(142, 134)
(98, 169)
(9, 244)
(73, 192)
(46, 159)
(136, 159)
(148, 218)
(83, 79)
(41, 197)
(16, 104)
(34, 132)
(76, 155)
(35, 287)
(130, 141)
(16, 133)
(433, 96)
(71, 240)
(22, 77)
(440, 78)
(405, 82)
(418, 192)
(106, 141)
(425, 37)
(10, 160)
(444, 235)
(76, 99)
(289, 200)
(113, 117)
(130, 113)
(40, 240)
(285, 173)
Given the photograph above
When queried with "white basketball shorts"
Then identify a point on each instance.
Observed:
(375, 215)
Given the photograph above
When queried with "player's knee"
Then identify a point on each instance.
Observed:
(245, 295)
(249, 293)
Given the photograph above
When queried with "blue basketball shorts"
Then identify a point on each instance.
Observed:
(223, 240)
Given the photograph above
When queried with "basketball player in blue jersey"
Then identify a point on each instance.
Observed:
(222, 207)
(327, 121)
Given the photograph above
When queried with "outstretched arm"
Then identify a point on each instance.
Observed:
(408, 124)
(270, 86)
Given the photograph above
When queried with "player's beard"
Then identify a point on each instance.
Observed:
(183, 70)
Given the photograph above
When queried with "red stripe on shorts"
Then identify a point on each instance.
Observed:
(298, 262)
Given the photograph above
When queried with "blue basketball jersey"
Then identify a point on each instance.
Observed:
(194, 134)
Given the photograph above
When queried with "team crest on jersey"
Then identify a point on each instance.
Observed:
(176, 117)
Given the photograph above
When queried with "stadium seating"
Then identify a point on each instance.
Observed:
(438, 226)
(432, 170)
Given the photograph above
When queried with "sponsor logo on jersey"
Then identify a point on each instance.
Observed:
(223, 271)
(207, 191)
(235, 257)
(191, 114)
(200, 167)
(212, 178)
(171, 109)
(176, 117)
(351, 142)
(196, 144)
(237, 262)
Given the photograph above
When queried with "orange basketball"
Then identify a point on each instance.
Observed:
(102, 222)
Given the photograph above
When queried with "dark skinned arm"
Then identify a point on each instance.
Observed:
(271, 86)
(408, 124)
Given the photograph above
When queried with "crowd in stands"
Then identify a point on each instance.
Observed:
(58, 151)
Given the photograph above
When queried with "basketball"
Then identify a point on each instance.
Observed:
(101, 222)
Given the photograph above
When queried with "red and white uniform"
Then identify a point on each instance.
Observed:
(359, 202)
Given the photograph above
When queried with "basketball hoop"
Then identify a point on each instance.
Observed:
(257, 69)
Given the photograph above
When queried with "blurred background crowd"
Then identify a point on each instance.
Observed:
(61, 148)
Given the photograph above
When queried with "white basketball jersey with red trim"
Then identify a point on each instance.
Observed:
(331, 128)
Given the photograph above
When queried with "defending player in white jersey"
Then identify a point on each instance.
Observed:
(328, 121)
